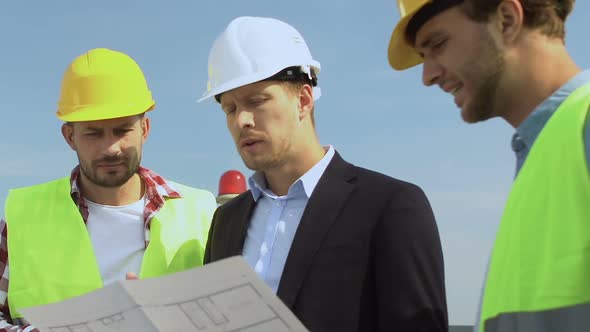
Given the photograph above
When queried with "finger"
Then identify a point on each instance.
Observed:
(131, 276)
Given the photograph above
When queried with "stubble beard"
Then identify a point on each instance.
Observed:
(111, 179)
(268, 161)
(490, 69)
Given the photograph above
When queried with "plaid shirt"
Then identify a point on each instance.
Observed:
(156, 189)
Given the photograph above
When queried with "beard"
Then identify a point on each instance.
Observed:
(115, 178)
(488, 68)
(268, 160)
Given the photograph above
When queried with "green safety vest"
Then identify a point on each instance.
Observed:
(539, 273)
(51, 255)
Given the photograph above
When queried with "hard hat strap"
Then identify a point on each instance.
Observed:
(289, 74)
(295, 74)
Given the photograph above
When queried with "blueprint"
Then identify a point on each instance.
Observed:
(222, 296)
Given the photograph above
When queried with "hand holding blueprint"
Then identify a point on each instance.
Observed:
(222, 296)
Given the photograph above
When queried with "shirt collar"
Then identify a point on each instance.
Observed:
(530, 128)
(155, 184)
(157, 189)
(306, 183)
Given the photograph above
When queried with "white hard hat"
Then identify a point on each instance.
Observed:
(252, 49)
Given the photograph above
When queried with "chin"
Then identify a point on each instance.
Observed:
(472, 116)
(468, 118)
(252, 165)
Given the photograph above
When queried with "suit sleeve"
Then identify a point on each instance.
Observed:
(207, 256)
(409, 267)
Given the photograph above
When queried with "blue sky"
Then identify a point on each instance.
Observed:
(375, 117)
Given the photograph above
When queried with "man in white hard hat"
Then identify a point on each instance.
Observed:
(345, 248)
(507, 58)
(111, 218)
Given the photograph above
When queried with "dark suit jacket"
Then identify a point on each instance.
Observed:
(366, 255)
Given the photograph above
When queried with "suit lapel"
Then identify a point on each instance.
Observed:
(322, 210)
(239, 225)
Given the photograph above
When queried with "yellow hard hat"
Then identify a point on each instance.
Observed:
(103, 84)
(401, 54)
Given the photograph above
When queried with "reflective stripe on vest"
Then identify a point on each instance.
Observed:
(51, 256)
(572, 319)
(541, 258)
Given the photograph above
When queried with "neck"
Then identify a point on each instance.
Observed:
(541, 69)
(130, 192)
(281, 178)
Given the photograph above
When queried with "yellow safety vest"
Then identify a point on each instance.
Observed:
(51, 255)
(539, 274)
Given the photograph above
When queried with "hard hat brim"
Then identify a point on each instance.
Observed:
(242, 81)
(400, 54)
(104, 112)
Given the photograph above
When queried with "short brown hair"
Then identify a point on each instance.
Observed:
(546, 15)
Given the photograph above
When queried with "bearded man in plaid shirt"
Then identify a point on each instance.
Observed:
(111, 218)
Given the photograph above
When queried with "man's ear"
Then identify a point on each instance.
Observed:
(145, 127)
(306, 101)
(510, 20)
(67, 130)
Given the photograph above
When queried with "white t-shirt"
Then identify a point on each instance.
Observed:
(118, 238)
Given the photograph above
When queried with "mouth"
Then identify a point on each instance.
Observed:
(455, 90)
(452, 88)
(249, 142)
(110, 165)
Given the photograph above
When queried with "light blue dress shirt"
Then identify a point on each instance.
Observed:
(275, 220)
(529, 130)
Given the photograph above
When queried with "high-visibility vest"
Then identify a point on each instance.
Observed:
(51, 255)
(539, 273)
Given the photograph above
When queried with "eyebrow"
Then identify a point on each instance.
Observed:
(247, 95)
(222, 104)
(125, 125)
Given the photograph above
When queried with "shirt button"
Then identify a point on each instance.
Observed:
(517, 143)
(258, 268)
(281, 227)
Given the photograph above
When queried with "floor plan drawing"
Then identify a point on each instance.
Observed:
(220, 297)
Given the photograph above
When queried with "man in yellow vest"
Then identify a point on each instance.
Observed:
(507, 58)
(111, 217)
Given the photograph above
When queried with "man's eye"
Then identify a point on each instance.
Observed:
(257, 101)
(229, 110)
(122, 131)
(438, 46)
